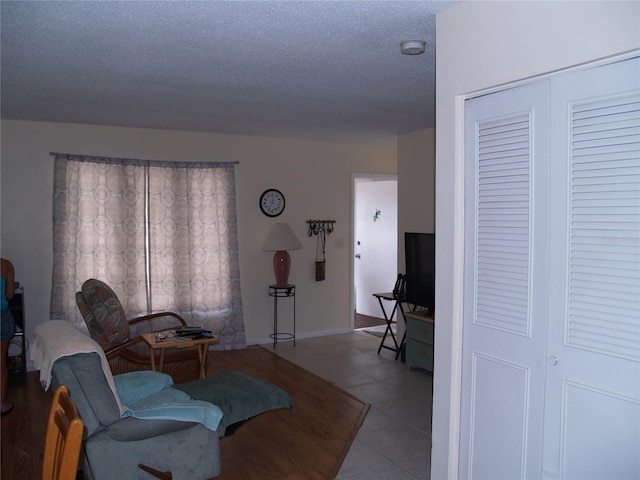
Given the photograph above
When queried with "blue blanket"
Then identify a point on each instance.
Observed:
(150, 395)
(173, 404)
(240, 396)
(216, 402)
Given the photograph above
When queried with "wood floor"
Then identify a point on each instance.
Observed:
(309, 443)
(23, 430)
(364, 321)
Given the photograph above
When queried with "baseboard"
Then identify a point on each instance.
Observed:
(299, 336)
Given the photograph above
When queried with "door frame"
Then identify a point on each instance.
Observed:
(355, 177)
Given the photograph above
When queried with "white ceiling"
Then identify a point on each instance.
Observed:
(315, 70)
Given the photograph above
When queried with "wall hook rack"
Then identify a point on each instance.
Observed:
(321, 226)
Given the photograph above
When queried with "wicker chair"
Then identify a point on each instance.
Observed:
(121, 339)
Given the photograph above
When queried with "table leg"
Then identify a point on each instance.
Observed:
(275, 320)
(388, 330)
(202, 356)
(404, 335)
(161, 360)
(152, 351)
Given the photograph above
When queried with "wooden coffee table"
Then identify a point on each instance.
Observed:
(201, 344)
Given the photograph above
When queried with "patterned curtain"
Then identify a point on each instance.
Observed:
(162, 235)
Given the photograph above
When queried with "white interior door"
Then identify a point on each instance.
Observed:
(376, 242)
(592, 410)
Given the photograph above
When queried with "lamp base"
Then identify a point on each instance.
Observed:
(281, 267)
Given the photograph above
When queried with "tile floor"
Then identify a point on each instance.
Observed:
(394, 443)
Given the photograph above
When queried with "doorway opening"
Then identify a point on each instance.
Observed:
(374, 225)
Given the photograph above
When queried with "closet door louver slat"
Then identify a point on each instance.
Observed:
(503, 223)
(604, 265)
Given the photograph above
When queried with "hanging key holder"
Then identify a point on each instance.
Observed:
(321, 228)
(320, 264)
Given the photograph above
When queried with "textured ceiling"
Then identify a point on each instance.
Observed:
(316, 70)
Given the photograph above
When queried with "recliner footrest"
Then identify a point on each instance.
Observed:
(240, 396)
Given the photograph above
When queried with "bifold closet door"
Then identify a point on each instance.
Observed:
(504, 327)
(592, 408)
(551, 329)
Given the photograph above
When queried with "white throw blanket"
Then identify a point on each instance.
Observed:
(56, 339)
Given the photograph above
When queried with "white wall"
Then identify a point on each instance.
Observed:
(314, 177)
(416, 189)
(481, 45)
(416, 185)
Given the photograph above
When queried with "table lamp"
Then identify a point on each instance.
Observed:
(280, 239)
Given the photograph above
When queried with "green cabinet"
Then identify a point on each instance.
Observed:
(420, 335)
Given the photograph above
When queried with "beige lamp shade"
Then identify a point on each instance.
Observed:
(280, 239)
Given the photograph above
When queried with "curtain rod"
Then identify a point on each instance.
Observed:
(237, 162)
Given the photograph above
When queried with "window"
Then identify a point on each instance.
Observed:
(161, 234)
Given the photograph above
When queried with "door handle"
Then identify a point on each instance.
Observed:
(357, 255)
(553, 360)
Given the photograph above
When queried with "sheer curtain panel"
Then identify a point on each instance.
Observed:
(163, 235)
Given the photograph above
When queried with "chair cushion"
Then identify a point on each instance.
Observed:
(95, 330)
(88, 388)
(134, 386)
(106, 318)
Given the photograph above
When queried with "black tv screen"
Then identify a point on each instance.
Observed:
(420, 267)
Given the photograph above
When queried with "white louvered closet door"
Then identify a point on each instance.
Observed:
(551, 328)
(592, 410)
(504, 329)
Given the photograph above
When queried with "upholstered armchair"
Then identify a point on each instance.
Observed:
(141, 422)
(120, 338)
(133, 419)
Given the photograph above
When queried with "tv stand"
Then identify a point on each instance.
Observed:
(420, 338)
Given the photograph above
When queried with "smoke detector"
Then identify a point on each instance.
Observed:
(412, 47)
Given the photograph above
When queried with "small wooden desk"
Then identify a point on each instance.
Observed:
(201, 344)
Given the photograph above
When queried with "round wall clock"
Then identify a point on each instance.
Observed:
(272, 202)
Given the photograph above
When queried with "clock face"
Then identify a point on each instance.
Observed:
(272, 202)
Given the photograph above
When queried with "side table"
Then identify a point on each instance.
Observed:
(397, 311)
(202, 344)
(282, 291)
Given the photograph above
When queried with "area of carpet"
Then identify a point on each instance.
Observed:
(307, 443)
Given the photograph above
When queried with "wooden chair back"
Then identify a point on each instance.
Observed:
(63, 440)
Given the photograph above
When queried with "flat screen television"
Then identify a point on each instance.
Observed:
(420, 268)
